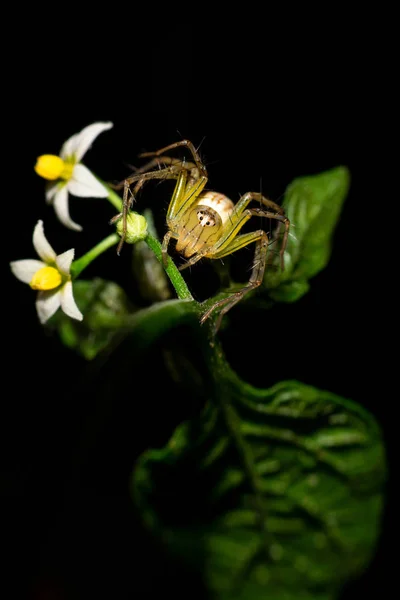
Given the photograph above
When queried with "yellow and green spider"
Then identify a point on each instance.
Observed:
(205, 224)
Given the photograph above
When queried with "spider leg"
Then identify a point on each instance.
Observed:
(230, 242)
(256, 278)
(164, 247)
(155, 164)
(191, 178)
(129, 196)
(245, 200)
(192, 260)
(142, 175)
(187, 144)
(126, 204)
(177, 169)
(184, 194)
(190, 195)
(185, 172)
(197, 169)
(164, 161)
(177, 196)
(235, 220)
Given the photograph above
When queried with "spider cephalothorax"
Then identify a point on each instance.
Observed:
(205, 224)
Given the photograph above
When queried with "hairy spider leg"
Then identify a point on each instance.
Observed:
(257, 273)
(171, 172)
(242, 205)
(142, 175)
(187, 144)
(197, 169)
(155, 164)
(230, 242)
(184, 196)
(128, 201)
(240, 215)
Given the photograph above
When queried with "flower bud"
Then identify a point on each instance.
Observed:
(136, 228)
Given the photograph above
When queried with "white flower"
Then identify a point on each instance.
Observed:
(69, 175)
(51, 276)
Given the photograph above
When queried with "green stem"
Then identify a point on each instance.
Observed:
(226, 380)
(176, 278)
(85, 260)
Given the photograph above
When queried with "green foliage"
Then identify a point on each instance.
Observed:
(313, 205)
(271, 493)
(104, 304)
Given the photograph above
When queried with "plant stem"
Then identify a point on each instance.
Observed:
(176, 278)
(85, 260)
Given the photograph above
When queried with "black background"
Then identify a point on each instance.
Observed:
(265, 107)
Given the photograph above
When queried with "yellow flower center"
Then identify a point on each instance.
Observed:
(47, 278)
(53, 167)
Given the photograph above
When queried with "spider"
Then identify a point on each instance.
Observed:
(206, 224)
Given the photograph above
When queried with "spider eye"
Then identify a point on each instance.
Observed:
(202, 214)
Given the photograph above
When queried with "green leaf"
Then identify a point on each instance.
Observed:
(101, 302)
(313, 205)
(273, 493)
(108, 317)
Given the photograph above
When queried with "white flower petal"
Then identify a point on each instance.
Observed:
(51, 190)
(68, 303)
(61, 208)
(83, 183)
(69, 147)
(41, 245)
(47, 302)
(25, 269)
(64, 260)
(87, 136)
